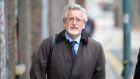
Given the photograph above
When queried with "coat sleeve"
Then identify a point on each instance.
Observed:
(137, 70)
(99, 72)
(39, 62)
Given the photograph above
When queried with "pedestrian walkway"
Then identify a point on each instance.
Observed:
(112, 41)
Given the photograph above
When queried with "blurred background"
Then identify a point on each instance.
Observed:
(24, 23)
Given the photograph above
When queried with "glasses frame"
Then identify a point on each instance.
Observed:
(72, 19)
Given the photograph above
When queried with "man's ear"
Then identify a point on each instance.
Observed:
(64, 22)
(84, 25)
(64, 19)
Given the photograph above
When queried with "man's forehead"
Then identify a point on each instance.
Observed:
(75, 12)
(78, 10)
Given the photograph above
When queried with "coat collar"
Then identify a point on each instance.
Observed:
(61, 36)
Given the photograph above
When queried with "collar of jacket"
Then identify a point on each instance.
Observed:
(61, 36)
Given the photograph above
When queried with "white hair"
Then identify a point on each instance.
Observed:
(74, 7)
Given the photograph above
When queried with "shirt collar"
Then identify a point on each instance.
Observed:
(70, 39)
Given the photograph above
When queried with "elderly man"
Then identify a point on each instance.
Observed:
(73, 55)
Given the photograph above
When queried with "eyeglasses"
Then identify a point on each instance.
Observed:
(71, 19)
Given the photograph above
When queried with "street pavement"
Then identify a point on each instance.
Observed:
(112, 41)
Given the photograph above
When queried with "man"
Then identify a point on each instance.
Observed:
(137, 70)
(83, 60)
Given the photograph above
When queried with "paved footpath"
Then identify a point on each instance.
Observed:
(112, 41)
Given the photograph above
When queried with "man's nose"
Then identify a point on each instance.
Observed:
(74, 21)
